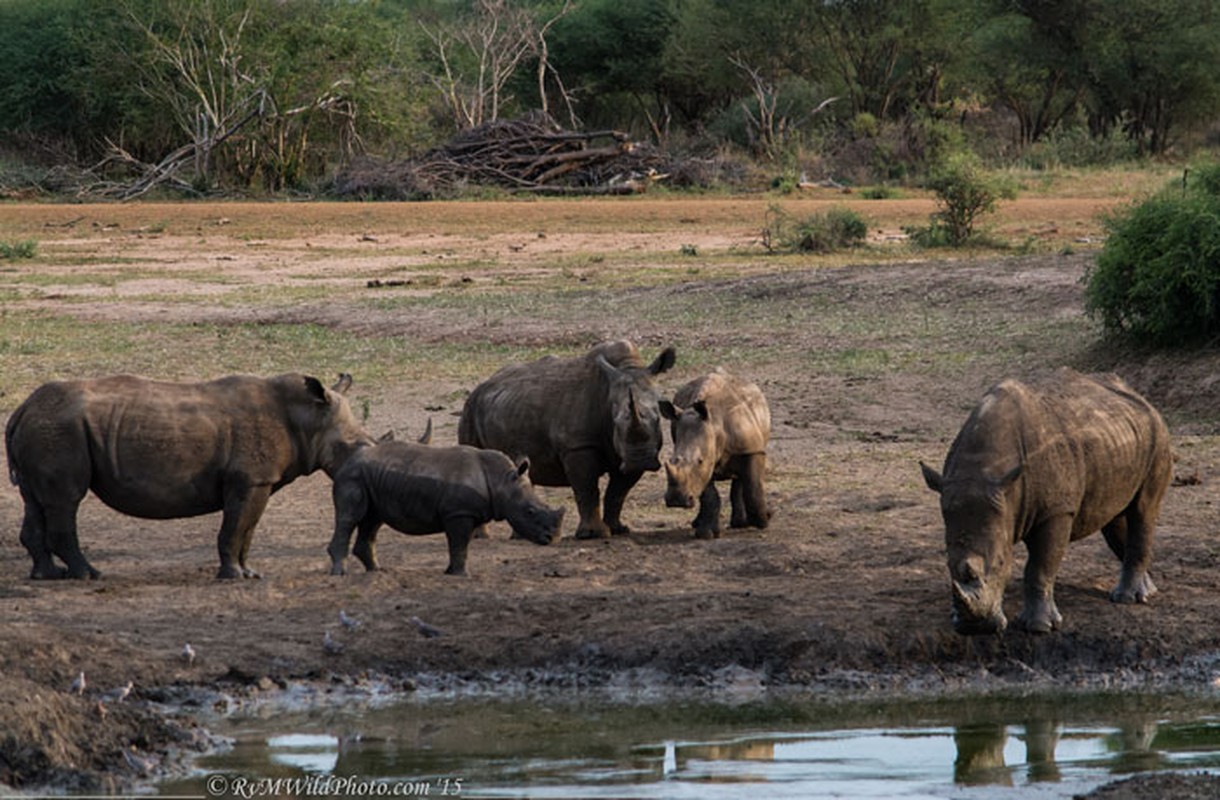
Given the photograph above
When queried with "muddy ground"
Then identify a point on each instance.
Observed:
(869, 364)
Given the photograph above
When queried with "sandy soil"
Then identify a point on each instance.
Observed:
(868, 369)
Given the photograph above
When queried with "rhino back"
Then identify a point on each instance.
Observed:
(736, 406)
(1086, 445)
(540, 409)
(157, 449)
(415, 488)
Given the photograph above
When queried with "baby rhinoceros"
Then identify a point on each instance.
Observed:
(1049, 463)
(418, 489)
(720, 425)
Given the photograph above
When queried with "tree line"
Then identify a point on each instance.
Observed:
(276, 94)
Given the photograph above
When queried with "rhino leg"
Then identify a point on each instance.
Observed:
(457, 532)
(583, 471)
(707, 521)
(747, 495)
(616, 494)
(366, 542)
(243, 508)
(1129, 536)
(61, 539)
(1046, 544)
(34, 539)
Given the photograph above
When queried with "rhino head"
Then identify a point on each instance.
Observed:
(979, 517)
(690, 470)
(516, 501)
(332, 425)
(634, 409)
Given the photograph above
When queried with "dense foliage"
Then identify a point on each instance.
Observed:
(1157, 281)
(275, 94)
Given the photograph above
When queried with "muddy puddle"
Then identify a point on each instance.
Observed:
(979, 747)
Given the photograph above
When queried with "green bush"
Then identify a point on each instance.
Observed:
(836, 229)
(964, 193)
(15, 250)
(1157, 279)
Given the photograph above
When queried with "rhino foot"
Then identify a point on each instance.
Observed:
(707, 533)
(1139, 592)
(48, 573)
(593, 533)
(1043, 621)
(228, 572)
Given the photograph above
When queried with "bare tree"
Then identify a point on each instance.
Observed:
(769, 127)
(198, 72)
(496, 39)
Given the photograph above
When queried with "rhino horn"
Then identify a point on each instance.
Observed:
(426, 436)
(972, 613)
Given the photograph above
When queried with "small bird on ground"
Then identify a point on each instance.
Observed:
(330, 645)
(188, 654)
(123, 692)
(78, 684)
(426, 630)
(351, 623)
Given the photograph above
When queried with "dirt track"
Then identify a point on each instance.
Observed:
(868, 369)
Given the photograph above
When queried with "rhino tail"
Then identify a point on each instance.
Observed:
(10, 431)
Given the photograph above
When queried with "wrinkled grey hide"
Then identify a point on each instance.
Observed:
(576, 419)
(166, 450)
(418, 489)
(720, 425)
(1047, 464)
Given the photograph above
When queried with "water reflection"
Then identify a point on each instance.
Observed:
(793, 749)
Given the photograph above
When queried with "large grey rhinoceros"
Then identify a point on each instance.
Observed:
(417, 489)
(576, 419)
(1048, 464)
(720, 425)
(162, 450)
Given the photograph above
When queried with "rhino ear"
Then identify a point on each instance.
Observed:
(523, 466)
(700, 408)
(669, 410)
(315, 389)
(664, 362)
(343, 384)
(931, 477)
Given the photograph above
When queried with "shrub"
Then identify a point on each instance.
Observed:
(835, 229)
(1157, 279)
(963, 194)
(16, 250)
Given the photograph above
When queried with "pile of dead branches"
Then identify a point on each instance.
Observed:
(529, 154)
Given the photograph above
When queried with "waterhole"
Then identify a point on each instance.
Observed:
(970, 747)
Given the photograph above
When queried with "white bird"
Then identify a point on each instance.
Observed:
(331, 646)
(426, 630)
(351, 623)
(122, 693)
(188, 654)
(78, 685)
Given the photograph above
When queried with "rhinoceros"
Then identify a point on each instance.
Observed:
(162, 450)
(576, 419)
(720, 425)
(418, 489)
(1048, 464)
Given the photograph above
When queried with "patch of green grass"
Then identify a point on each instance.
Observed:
(26, 248)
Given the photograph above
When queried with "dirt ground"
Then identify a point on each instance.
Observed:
(868, 367)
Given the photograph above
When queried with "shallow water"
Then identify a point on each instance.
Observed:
(565, 748)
